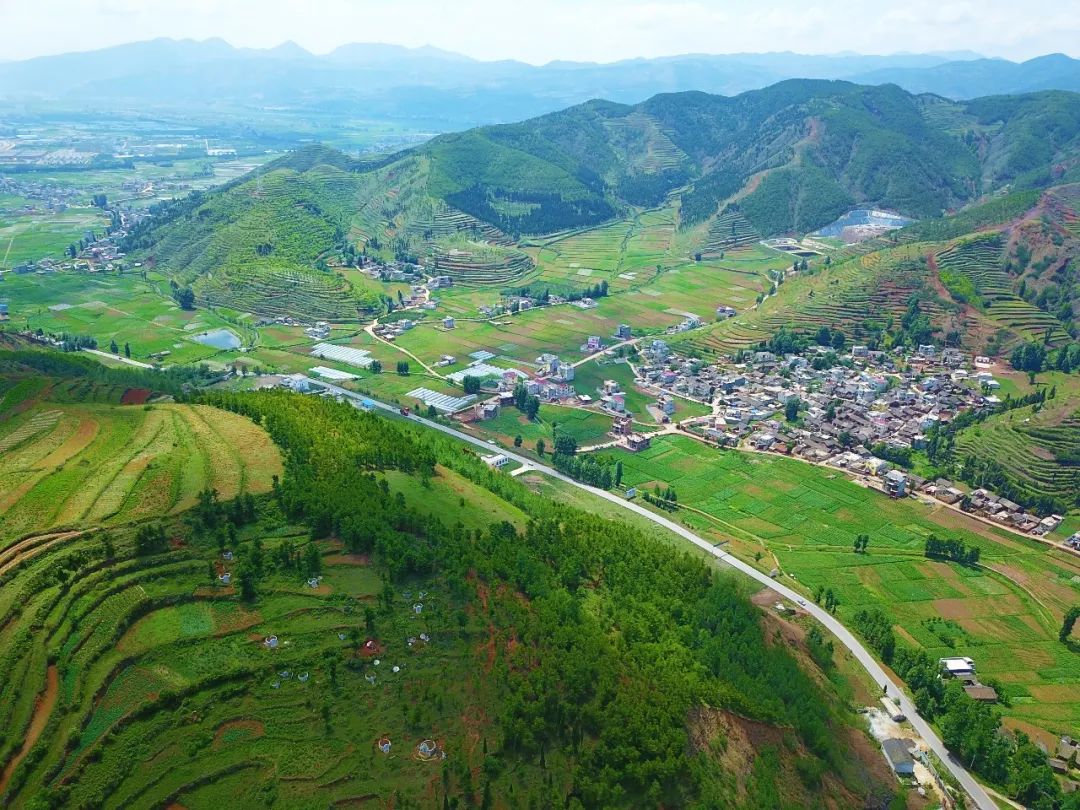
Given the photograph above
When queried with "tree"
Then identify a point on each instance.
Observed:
(245, 580)
(431, 412)
(532, 406)
(565, 444)
(403, 368)
(375, 367)
(185, 297)
(1071, 616)
(517, 440)
(127, 350)
(113, 348)
(150, 539)
(541, 447)
(618, 473)
(791, 409)
(471, 384)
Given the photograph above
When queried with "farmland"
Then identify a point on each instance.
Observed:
(1036, 447)
(124, 308)
(803, 519)
(30, 237)
(87, 464)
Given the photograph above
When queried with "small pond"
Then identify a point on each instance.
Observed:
(219, 339)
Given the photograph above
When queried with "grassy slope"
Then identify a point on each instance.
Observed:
(77, 465)
(267, 735)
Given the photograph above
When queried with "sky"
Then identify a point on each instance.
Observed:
(543, 30)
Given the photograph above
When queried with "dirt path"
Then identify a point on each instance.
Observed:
(43, 708)
(371, 331)
(79, 440)
(29, 547)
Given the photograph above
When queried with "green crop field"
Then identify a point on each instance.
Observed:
(1004, 614)
(663, 300)
(110, 307)
(586, 426)
(30, 237)
(77, 465)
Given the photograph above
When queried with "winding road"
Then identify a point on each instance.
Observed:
(846, 637)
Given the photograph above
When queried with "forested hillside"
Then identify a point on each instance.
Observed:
(440, 636)
(789, 158)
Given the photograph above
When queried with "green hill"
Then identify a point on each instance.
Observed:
(440, 634)
(788, 158)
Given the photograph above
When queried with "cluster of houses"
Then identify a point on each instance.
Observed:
(53, 198)
(690, 321)
(393, 271)
(392, 331)
(963, 669)
(870, 399)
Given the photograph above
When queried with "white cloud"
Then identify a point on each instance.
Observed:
(539, 31)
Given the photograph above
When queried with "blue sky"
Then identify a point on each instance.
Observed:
(542, 30)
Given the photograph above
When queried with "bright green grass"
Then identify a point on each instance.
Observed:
(111, 307)
(808, 517)
(586, 426)
(30, 237)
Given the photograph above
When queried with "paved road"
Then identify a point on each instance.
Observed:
(973, 788)
(121, 358)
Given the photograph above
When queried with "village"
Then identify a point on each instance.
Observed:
(858, 412)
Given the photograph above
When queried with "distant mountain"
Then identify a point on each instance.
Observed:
(980, 77)
(449, 91)
(788, 158)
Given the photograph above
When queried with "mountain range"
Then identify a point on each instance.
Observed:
(785, 159)
(444, 90)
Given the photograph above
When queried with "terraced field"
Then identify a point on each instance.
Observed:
(282, 290)
(124, 647)
(871, 287)
(729, 230)
(640, 140)
(1064, 201)
(1004, 613)
(1039, 451)
(477, 263)
(978, 264)
(74, 465)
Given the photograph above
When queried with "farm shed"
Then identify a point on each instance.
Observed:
(898, 754)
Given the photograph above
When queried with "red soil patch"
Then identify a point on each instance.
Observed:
(43, 707)
(135, 396)
(236, 620)
(370, 648)
(213, 592)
